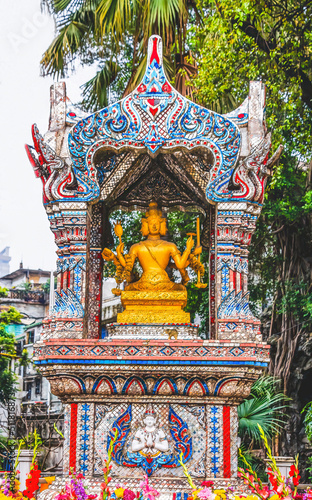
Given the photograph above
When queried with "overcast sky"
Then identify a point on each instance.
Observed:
(24, 35)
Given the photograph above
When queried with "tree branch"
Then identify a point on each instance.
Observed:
(291, 71)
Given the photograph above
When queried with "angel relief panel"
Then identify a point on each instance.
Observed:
(150, 439)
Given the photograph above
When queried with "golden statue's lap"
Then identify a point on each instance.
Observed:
(154, 307)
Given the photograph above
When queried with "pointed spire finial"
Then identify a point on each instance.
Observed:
(155, 50)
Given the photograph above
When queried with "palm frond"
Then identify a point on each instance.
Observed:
(169, 67)
(136, 77)
(222, 105)
(94, 92)
(84, 14)
(264, 407)
(71, 5)
(257, 463)
(163, 17)
(66, 44)
(114, 17)
(266, 385)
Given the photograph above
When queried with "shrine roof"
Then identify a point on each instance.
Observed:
(154, 132)
(155, 117)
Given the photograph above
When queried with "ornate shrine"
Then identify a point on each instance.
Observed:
(161, 388)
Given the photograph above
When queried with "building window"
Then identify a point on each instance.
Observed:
(31, 337)
(28, 389)
(38, 386)
(19, 348)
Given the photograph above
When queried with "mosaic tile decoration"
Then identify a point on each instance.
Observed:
(145, 331)
(66, 443)
(197, 433)
(157, 351)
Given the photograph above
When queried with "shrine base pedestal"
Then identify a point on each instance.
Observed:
(161, 396)
(154, 307)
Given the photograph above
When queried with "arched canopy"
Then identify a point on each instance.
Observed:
(82, 158)
(156, 120)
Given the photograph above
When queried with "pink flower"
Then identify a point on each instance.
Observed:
(265, 493)
(128, 495)
(280, 488)
(206, 493)
(148, 492)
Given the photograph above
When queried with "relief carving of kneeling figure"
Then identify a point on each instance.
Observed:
(150, 439)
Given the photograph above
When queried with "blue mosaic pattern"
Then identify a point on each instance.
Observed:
(214, 439)
(225, 281)
(67, 305)
(148, 362)
(235, 305)
(85, 438)
(77, 282)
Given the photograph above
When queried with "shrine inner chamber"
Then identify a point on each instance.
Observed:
(152, 383)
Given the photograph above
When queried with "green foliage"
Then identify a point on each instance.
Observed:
(5, 446)
(256, 463)
(308, 420)
(263, 407)
(46, 286)
(7, 351)
(308, 430)
(283, 221)
(131, 224)
(31, 441)
(7, 382)
(27, 286)
(309, 467)
(3, 292)
(95, 90)
(12, 315)
(246, 40)
(115, 34)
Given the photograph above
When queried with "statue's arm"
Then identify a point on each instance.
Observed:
(108, 255)
(138, 443)
(129, 260)
(131, 256)
(124, 263)
(181, 261)
(161, 442)
(119, 259)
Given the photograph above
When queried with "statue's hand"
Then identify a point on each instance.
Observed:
(198, 250)
(120, 250)
(149, 441)
(107, 254)
(189, 244)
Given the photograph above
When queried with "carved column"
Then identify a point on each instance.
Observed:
(236, 224)
(95, 271)
(212, 276)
